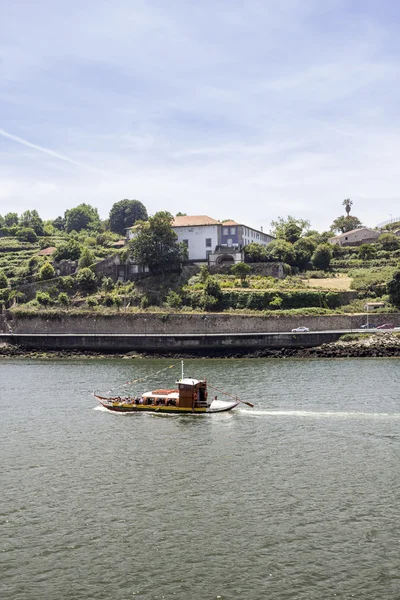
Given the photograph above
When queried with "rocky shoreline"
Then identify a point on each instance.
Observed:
(384, 345)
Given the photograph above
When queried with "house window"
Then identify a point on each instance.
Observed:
(233, 230)
(186, 242)
(208, 242)
(226, 231)
(346, 237)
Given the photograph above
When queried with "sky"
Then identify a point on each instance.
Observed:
(239, 109)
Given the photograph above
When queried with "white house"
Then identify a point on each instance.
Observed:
(212, 241)
(355, 237)
(216, 241)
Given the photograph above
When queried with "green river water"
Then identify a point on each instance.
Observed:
(297, 498)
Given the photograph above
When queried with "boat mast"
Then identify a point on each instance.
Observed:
(182, 368)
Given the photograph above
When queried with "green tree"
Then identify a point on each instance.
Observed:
(345, 224)
(281, 251)
(155, 243)
(27, 234)
(86, 280)
(31, 219)
(347, 203)
(321, 259)
(43, 298)
(86, 259)
(389, 241)
(204, 273)
(366, 251)
(393, 288)
(3, 280)
(69, 251)
(304, 248)
(47, 271)
(241, 270)
(181, 214)
(63, 299)
(11, 219)
(255, 253)
(81, 217)
(289, 229)
(126, 213)
(59, 223)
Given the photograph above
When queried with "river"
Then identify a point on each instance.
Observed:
(297, 498)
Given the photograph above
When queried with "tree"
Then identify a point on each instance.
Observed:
(321, 259)
(47, 271)
(81, 217)
(126, 213)
(43, 298)
(31, 218)
(69, 251)
(393, 288)
(86, 280)
(241, 270)
(345, 224)
(281, 251)
(10, 219)
(366, 251)
(304, 248)
(63, 299)
(347, 203)
(289, 229)
(27, 234)
(59, 223)
(87, 258)
(3, 280)
(388, 241)
(155, 243)
(181, 214)
(255, 253)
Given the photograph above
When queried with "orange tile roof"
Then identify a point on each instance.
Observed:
(229, 222)
(193, 221)
(47, 251)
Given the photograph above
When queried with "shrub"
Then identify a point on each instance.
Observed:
(69, 251)
(43, 298)
(86, 259)
(322, 257)
(66, 283)
(107, 284)
(173, 299)
(47, 271)
(92, 302)
(3, 280)
(26, 234)
(86, 280)
(63, 299)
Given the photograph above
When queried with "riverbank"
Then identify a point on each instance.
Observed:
(383, 345)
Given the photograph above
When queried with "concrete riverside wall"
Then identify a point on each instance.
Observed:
(203, 324)
(161, 343)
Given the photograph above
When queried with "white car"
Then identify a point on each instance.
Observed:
(301, 329)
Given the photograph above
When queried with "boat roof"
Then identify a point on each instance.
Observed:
(188, 381)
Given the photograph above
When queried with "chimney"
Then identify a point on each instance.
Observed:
(262, 229)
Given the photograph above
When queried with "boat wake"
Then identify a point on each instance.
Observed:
(308, 414)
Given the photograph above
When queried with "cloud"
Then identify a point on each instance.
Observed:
(243, 110)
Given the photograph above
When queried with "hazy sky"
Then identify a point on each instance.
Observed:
(236, 109)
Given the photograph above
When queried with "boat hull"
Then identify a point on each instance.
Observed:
(216, 406)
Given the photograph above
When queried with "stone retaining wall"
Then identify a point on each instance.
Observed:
(186, 323)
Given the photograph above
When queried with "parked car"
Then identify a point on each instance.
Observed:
(368, 326)
(301, 329)
(386, 326)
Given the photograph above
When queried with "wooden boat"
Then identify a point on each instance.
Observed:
(191, 397)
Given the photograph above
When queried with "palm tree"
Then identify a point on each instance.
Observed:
(347, 205)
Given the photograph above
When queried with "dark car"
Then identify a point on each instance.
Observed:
(386, 326)
(368, 326)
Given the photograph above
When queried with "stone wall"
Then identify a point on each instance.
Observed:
(185, 323)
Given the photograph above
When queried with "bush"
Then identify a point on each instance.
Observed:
(86, 280)
(43, 298)
(63, 299)
(107, 284)
(26, 234)
(86, 259)
(322, 257)
(69, 251)
(3, 280)
(47, 271)
(66, 283)
(173, 299)
(92, 302)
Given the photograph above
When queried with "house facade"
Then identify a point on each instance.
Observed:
(356, 237)
(214, 241)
